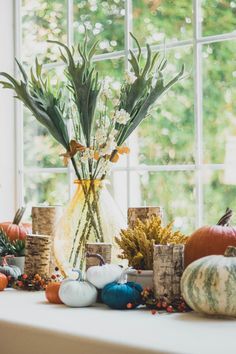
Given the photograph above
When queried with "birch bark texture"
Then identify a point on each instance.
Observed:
(143, 213)
(37, 255)
(168, 267)
(44, 222)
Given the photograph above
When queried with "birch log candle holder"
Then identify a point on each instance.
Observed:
(143, 213)
(104, 249)
(37, 255)
(44, 221)
(168, 266)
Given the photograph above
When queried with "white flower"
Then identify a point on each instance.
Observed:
(108, 147)
(100, 135)
(106, 91)
(87, 154)
(122, 117)
(130, 77)
(105, 166)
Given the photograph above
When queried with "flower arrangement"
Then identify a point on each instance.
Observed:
(97, 138)
(137, 243)
(99, 127)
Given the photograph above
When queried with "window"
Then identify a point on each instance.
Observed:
(183, 155)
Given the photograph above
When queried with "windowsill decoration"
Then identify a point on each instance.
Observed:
(137, 245)
(97, 139)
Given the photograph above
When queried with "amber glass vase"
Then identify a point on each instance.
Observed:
(91, 216)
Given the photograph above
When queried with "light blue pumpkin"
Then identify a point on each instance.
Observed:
(118, 295)
(77, 293)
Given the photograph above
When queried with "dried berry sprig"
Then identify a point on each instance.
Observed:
(31, 283)
(162, 304)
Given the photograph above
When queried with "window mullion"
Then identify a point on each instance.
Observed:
(19, 123)
(198, 111)
(128, 46)
(70, 42)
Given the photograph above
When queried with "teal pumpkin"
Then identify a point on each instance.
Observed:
(122, 294)
(208, 285)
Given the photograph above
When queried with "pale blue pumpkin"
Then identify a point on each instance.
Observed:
(118, 295)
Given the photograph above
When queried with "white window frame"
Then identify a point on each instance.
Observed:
(196, 42)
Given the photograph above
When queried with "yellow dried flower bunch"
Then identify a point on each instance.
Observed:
(137, 243)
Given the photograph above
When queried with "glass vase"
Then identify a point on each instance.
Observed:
(91, 216)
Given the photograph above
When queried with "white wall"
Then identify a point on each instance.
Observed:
(7, 124)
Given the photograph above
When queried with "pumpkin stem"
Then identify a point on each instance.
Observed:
(96, 255)
(79, 274)
(225, 220)
(230, 251)
(18, 216)
(123, 277)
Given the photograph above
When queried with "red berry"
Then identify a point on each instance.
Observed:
(164, 304)
(170, 309)
(159, 305)
(20, 283)
(53, 276)
(129, 305)
(154, 312)
(24, 276)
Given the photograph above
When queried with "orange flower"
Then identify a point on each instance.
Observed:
(123, 150)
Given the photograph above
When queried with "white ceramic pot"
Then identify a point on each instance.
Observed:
(16, 261)
(142, 277)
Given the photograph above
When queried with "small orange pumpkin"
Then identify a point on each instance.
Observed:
(14, 230)
(52, 291)
(210, 240)
(3, 281)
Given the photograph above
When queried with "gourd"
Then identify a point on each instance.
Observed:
(122, 294)
(77, 293)
(52, 293)
(210, 240)
(3, 281)
(102, 274)
(208, 285)
(13, 229)
(9, 270)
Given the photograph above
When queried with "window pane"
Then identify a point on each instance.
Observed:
(219, 92)
(219, 16)
(219, 193)
(155, 21)
(167, 135)
(40, 149)
(104, 20)
(174, 191)
(42, 20)
(118, 189)
(46, 188)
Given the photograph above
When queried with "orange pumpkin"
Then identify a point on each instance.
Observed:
(3, 281)
(210, 240)
(14, 230)
(52, 291)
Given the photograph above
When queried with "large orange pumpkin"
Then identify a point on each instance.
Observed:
(13, 229)
(3, 281)
(52, 291)
(210, 240)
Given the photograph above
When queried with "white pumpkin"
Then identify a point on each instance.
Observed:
(77, 293)
(102, 274)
